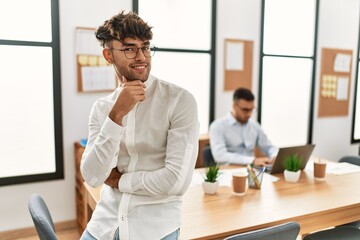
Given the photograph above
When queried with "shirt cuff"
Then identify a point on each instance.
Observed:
(125, 183)
(112, 129)
(248, 160)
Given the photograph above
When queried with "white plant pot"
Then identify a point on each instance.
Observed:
(292, 176)
(210, 187)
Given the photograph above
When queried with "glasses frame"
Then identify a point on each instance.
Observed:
(151, 47)
(246, 110)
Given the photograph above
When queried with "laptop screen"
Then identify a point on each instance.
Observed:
(303, 151)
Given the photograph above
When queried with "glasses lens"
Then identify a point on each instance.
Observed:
(131, 52)
(147, 51)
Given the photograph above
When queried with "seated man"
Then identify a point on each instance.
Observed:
(234, 137)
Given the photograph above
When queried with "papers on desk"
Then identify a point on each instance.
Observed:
(225, 178)
(336, 168)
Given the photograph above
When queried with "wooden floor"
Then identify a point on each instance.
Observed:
(71, 234)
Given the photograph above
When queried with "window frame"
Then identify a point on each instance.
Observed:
(58, 141)
(313, 77)
(211, 52)
(356, 94)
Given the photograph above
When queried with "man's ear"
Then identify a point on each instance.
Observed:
(107, 55)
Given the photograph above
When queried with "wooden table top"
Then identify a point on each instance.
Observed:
(315, 205)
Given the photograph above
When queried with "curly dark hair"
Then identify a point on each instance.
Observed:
(122, 26)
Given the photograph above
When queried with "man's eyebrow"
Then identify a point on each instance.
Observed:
(129, 44)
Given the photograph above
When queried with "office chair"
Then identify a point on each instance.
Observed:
(338, 233)
(286, 231)
(351, 159)
(356, 161)
(41, 217)
(208, 158)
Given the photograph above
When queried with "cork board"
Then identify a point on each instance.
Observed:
(335, 82)
(94, 74)
(238, 61)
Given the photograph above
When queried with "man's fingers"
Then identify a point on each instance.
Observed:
(127, 83)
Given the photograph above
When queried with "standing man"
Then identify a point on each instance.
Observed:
(143, 141)
(234, 137)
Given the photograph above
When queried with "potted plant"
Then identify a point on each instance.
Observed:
(211, 183)
(292, 166)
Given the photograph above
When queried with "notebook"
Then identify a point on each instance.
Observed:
(303, 151)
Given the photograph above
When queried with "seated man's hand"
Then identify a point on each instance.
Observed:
(262, 161)
(114, 178)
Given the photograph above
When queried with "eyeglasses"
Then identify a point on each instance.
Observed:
(246, 110)
(131, 52)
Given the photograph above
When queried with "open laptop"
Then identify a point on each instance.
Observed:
(303, 151)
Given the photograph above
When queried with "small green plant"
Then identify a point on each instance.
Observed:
(292, 163)
(212, 173)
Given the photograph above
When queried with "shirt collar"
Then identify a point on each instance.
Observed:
(149, 81)
(232, 121)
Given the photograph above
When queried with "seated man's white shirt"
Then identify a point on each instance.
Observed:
(234, 143)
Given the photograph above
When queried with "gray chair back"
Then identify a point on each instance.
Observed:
(338, 233)
(351, 159)
(41, 217)
(286, 231)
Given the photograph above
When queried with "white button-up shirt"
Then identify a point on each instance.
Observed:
(156, 151)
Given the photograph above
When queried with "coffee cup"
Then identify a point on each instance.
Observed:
(319, 169)
(239, 182)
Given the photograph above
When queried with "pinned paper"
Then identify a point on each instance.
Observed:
(342, 62)
(235, 56)
(329, 86)
(98, 78)
(342, 88)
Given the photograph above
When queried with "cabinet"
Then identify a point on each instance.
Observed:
(81, 218)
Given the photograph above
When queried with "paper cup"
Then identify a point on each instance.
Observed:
(239, 183)
(320, 170)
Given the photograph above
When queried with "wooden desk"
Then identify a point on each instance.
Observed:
(314, 205)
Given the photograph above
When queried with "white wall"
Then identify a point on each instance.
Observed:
(60, 194)
(238, 19)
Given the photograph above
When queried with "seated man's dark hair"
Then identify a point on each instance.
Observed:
(243, 93)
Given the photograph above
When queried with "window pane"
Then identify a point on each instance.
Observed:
(285, 116)
(175, 25)
(289, 27)
(190, 71)
(26, 20)
(26, 99)
(356, 133)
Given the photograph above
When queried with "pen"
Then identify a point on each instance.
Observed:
(253, 176)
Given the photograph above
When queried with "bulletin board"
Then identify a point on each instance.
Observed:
(335, 82)
(94, 74)
(238, 56)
